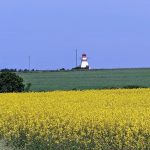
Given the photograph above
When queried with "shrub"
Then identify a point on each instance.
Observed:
(10, 82)
(133, 87)
(27, 88)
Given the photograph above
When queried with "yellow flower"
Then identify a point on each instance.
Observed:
(94, 119)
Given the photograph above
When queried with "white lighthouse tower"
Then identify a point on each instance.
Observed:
(84, 62)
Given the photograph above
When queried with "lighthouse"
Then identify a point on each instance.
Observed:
(84, 62)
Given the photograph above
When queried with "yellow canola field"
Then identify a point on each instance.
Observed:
(94, 119)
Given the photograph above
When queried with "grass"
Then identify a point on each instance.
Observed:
(92, 79)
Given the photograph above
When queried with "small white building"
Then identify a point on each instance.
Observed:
(84, 62)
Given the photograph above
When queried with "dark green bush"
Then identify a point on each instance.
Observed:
(133, 87)
(27, 88)
(11, 82)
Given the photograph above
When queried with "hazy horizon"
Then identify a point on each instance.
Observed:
(114, 34)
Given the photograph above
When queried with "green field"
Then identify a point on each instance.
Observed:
(92, 79)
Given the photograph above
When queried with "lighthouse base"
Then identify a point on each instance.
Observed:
(84, 65)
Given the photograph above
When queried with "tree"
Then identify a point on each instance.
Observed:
(11, 82)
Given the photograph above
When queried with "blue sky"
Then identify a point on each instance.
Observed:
(113, 33)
